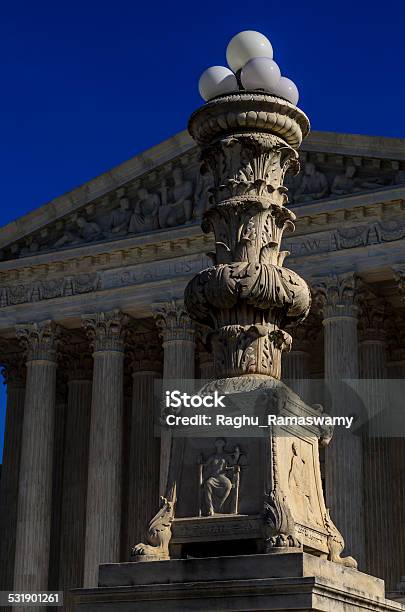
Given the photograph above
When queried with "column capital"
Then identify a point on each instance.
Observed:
(39, 340)
(173, 321)
(106, 330)
(336, 295)
(373, 316)
(145, 351)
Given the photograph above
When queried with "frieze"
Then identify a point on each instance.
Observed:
(152, 272)
(37, 291)
(340, 239)
(180, 192)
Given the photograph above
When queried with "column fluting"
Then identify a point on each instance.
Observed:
(79, 369)
(103, 516)
(377, 499)
(14, 377)
(35, 479)
(177, 332)
(344, 481)
(144, 446)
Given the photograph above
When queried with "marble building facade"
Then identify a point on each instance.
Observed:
(91, 313)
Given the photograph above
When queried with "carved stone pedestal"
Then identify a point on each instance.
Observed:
(215, 504)
(297, 581)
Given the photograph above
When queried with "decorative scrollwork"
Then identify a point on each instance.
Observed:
(247, 297)
(279, 525)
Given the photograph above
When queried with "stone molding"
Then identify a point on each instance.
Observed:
(40, 341)
(106, 331)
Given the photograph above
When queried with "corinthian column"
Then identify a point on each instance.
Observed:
(79, 371)
(177, 332)
(344, 456)
(144, 447)
(35, 481)
(395, 327)
(14, 377)
(103, 518)
(377, 499)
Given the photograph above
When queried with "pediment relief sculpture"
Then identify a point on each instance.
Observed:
(315, 183)
(178, 194)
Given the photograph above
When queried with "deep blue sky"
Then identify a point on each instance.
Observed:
(86, 85)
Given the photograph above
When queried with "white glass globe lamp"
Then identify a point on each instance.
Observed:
(216, 81)
(245, 46)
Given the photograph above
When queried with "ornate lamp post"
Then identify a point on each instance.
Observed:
(249, 131)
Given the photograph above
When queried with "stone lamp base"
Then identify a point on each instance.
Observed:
(297, 581)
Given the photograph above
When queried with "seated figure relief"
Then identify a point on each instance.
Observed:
(87, 232)
(145, 215)
(30, 248)
(292, 182)
(399, 177)
(346, 182)
(177, 207)
(120, 217)
(314, 185)
(219, 474)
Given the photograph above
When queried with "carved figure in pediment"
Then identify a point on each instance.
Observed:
(120, 217)
(87, 232)
(399, 177)
(202, 193)
(145, 215)
(179, 208)
(292, 182)
(31, 247)
(314, 185)
(346, 182)
(374, 183)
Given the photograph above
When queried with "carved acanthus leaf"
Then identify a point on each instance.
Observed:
(106, 330)
(39, 340)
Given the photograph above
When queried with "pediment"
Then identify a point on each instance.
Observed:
(162, 188)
